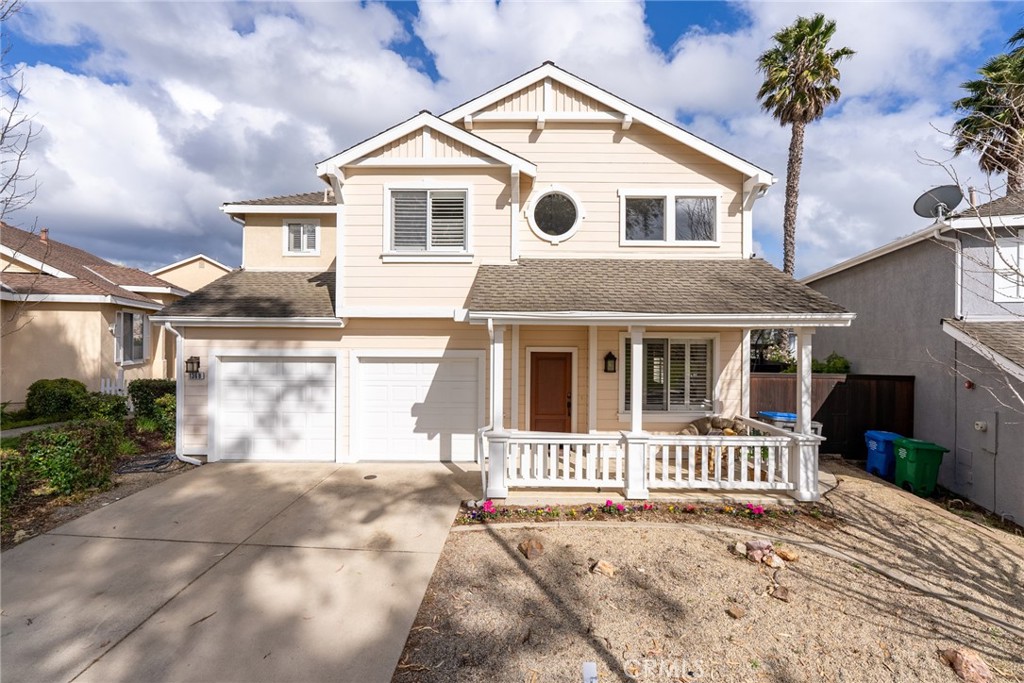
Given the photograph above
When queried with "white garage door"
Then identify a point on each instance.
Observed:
(417, 409)
(276, 409)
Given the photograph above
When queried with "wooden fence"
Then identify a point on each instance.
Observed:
(846, 405)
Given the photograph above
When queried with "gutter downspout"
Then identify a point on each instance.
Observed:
(179, 395)
(958, 274)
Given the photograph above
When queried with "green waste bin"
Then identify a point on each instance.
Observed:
(917, 464)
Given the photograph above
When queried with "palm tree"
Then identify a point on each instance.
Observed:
(800, 81)
(993, 125)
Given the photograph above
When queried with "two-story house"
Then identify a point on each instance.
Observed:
(946, 304)
(547, 279)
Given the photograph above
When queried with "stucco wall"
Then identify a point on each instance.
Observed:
(263, 242)
(900, 300)
(193, 275)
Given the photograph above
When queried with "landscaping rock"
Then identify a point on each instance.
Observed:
(604, 568)
(20, 535)
(736, 612)
(787, 555)
(780, 593)
(758, 549)
(739, 548)
(967, 664)
(531, 548)
(774, 561)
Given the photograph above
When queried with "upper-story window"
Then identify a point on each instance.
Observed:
(1008, 264)
(301, 237)
(555, 215)
(429, 221)
(668, 217)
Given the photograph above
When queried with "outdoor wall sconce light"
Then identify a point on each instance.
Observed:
(192, 368)
(609, 362)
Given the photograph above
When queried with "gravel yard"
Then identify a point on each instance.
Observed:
(872, 598)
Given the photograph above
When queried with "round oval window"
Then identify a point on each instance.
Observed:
(555, 214)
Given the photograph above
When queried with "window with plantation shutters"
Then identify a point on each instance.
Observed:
(428, 221)
(677, 375)
(301, 238)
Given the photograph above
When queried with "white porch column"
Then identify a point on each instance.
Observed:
(636, 440)
(592, 361)
(513, 409)
(745, 375)
(803, 463)
(498, 379)
(497, 454)
(803, 379)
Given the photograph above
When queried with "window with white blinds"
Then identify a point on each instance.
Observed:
(677, 375)
(428, 220)
(1009, 268)
(302, 238)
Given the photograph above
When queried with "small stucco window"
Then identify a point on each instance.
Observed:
(301, 237)
(668, 217)
(131, 335)
(555, 215)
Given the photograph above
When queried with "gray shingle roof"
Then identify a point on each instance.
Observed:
(315, 198)
(1010, 205)
(1005, 338)
(248, 294)
(748, 286)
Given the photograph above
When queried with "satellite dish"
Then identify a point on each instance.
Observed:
(938, 201)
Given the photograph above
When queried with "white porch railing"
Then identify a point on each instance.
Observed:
(769, 459)
(545, 459)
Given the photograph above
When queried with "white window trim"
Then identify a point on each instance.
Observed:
(1001, 250)
(669, 415)
(669, 195)
(389, 255)
(286, 247)
(581, 213)
(119, 339)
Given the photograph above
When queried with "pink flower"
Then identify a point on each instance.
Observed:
(620, 507)
(488, 507)
(648, 506)
(608, 504)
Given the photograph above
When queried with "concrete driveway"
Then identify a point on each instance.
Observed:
(234, 572)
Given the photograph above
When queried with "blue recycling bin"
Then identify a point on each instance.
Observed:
(881, 454)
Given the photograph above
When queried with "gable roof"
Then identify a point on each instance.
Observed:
(190, 259)
(69, 271)
(269, 295)
(638, 114)
(1009, 205)
(426, 120)
(709, 289)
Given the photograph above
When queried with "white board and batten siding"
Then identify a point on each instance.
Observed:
(416, 407)
(274, 406)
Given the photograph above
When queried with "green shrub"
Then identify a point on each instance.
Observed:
(77, 456)
(108, 407)
(833, 365)
(57, 398)
(16, 475)
(166, 414)
(145, 392)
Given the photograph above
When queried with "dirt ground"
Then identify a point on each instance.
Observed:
(872, 598)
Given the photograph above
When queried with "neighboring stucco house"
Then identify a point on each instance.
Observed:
(547, 278)
(946, 304)
(192, 273)
(69, 313)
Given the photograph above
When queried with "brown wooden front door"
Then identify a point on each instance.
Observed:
(551, 391)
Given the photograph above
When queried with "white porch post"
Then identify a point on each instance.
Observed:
(636, 440)
(497, 438)
(592, 362)
(803, 464)
(513, 410)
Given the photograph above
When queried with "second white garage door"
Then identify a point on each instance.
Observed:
(417, 409)
(276, 409)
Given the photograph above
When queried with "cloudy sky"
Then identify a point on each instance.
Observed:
(153, 114)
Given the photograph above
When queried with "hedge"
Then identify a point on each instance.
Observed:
(77, 456)
(17, 475)
(166, 415)
(145, 392)
(57, 398)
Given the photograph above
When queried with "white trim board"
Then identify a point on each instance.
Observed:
(15, 255)
(79, 299)
(653, 319)
(548, 70)
(575, 352)
(353, 155)
(208, 321)
(237, 209)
